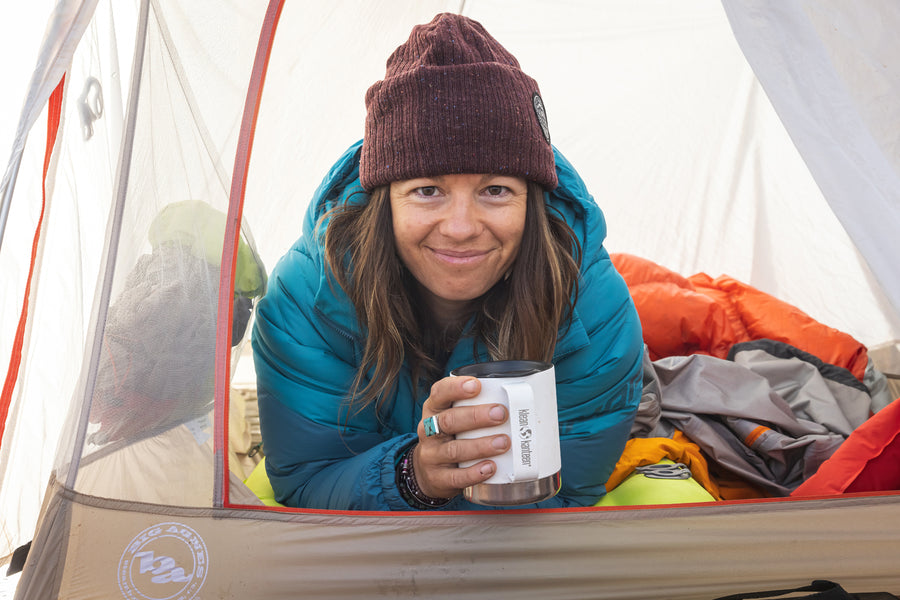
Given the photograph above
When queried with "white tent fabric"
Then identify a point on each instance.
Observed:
(20, 35)
(757, 139)
(803, 55)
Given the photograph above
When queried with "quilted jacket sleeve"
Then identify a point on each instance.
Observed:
(316, 456)
(598, 385)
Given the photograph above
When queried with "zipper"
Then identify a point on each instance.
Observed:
(353, 338)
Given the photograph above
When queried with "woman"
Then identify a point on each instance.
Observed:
(452, 234)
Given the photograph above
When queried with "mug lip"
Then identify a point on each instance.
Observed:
(502, 369)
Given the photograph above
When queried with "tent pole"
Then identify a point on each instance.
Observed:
(230, 249)
(114, 234)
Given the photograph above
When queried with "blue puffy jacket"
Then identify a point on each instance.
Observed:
(307, 344)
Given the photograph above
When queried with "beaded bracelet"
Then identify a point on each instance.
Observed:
(409, 488)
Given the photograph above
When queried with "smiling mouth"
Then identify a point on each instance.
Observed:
(459, 257)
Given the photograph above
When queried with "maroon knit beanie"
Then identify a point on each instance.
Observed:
(454, 100)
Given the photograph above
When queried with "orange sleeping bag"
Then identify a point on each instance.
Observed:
(681, 316)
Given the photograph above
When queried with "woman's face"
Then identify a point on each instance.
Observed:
(458, 234)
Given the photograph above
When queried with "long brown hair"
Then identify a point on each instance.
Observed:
(518, 318)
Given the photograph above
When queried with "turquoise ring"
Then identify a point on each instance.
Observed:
(431, 426)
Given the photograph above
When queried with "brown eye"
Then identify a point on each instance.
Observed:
(496, 190)
(427, 191)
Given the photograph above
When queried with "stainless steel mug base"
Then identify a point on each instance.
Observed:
(511, 494)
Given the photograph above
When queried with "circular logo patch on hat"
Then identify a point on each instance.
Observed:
(541, 113)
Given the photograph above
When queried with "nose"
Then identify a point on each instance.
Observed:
(461, 220)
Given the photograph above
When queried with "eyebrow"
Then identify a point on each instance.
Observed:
(440, 179)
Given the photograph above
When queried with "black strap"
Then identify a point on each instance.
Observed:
(17, 562)
(822, 590)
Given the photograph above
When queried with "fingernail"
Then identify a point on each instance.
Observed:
(499, 442)
(497, 413)
(487, 468)
(470, 386)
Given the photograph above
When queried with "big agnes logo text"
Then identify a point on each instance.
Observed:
(164, 562)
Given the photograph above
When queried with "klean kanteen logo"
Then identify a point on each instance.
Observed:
(164, 562)
(525, 435)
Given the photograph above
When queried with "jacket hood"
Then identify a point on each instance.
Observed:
(341, 184)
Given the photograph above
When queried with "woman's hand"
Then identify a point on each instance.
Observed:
(436, 458)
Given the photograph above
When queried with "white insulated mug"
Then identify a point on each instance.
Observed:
(530, 470)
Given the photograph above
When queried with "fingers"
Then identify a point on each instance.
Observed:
(436, 465)
(461, 419)
(459, 479)
(448, 390)
(438, 453)
(452, 451)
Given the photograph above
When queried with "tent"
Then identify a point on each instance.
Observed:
(757, 138)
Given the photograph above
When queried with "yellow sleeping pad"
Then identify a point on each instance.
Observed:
(665, 482)
(258, 482)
